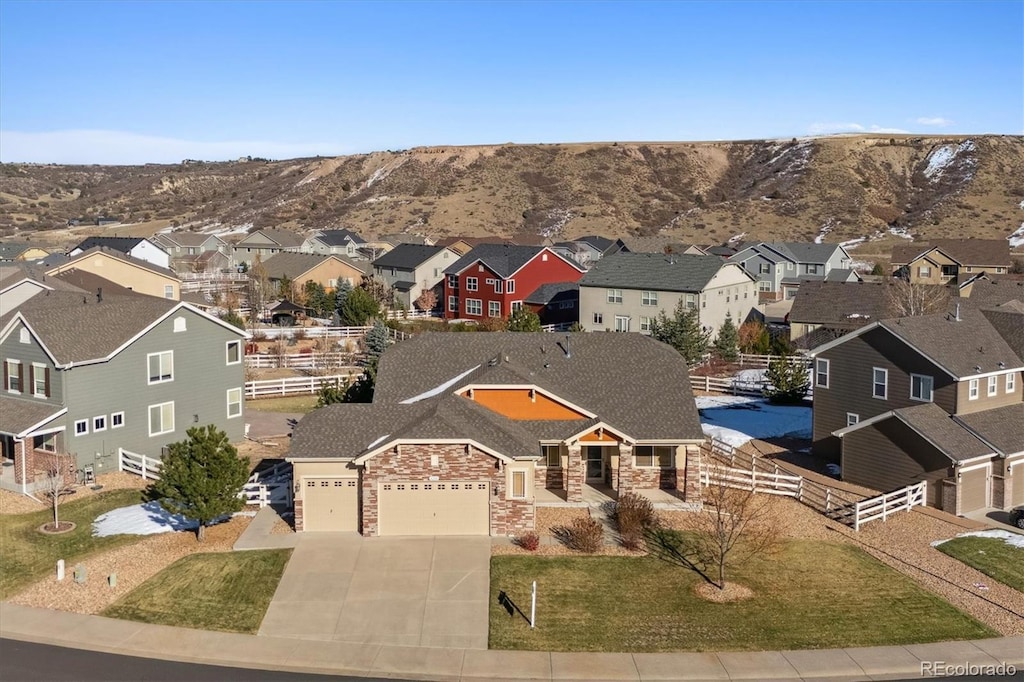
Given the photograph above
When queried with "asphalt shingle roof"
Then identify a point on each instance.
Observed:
(975, 252)
(840, 305)
(503, 259)
(657, 272)
(122, 244)
(546, 293)
(121, 256)
(17, 415)
(293, 265)
(284, 238)
(407, 256)
(1003, 427)
(939, 427)
(339, 237)
(11, 250)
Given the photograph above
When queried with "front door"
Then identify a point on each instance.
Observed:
(595, 463)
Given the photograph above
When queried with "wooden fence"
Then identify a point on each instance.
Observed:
(730, 385)
(274, 388)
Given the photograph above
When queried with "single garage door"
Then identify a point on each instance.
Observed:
(330, 504)
(974, 490)
(1018, 483)
(434, 508)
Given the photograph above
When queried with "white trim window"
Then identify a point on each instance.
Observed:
(453, 281)
(117, 420)
(474, 306)
(510, 286)
(821, 372)
(880, 383)
(40, 379)
(24, 336)
(81, 427)
(614, 295)
(499, 285)
(598, 318)
(993, 385)
(180, 325)
(552, 456)
(852, 419)
(453, 304)
(764, 268)
(161, 366)
(12, 376)
(764, 285)
(168, 291)
(515, 305)
(649, 298)
(161, 419)
(972, 389)
(494, 308)
(472, 283)
(622, 323)
(233, 352)
(1011, 382)
(99, 423)
(921, 387)
(654, 456)
(517, 487)
(234, 402)
(645, 323)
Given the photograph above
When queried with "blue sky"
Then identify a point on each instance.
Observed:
(126, 82)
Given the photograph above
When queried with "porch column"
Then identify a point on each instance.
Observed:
(574, 474)
(690, 472)
(24, 463)
(625, 474)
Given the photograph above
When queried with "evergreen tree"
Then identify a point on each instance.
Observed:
(331, 393)
(317, 299)
(361, 391)
(233, 318)
(523, 320)
(341, 293)
(358, 308)
(201, 477)
(787, 379)
(727, 341)
(683, 332)
(878, 269)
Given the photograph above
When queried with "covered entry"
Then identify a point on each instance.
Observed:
(330, 504)
(434, 508)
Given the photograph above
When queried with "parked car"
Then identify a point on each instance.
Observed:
(1017, 516)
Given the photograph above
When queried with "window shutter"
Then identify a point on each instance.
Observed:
(46, 381)
(31, 380)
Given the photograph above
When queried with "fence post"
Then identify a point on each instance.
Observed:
(120, 459)
(143, 467)
(828, 499)
(856, 516)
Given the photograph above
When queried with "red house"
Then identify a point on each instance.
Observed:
(492, 280)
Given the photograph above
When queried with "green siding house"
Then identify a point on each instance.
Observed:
(85, 375)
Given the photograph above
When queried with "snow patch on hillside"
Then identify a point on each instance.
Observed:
(942, 158)
(736, 238)
(1017, 238)
(220, 229)
(827, 227)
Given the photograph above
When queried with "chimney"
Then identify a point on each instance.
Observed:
(99, 294)
(568, 352)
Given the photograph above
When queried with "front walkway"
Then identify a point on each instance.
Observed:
(409, 591)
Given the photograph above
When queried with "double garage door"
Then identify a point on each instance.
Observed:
(434, 508)
(330, 504)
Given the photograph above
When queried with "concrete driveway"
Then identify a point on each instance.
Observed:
(411, 591)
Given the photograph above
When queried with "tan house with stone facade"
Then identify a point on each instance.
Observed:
(468, 434)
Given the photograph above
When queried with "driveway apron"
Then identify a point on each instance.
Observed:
(413, 591)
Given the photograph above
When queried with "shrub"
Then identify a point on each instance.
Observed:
(529, 541)
(299, 334)
(584, 535)
(634, 514)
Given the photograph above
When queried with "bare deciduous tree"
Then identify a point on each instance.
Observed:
(54, 488)
(257, 291)
(906, 299)
(427, 300)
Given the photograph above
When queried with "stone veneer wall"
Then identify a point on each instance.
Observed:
(299, 525)
(574, 474)
(454, 463)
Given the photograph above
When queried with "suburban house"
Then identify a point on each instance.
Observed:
(134, 247)
(589, 249)
(463, 245)
(625, 292)
(823, 311)
(944, 260)
(492, 280)
(780, 267)
(661, 245)
(555, 303)
(334, 242)
(935, 398)
(471, 442)
(20, 281)
(195, 251)
(21, 251)
(265, 243)
(412, 269)
(86, 374)
(326, 271)
(131, 273)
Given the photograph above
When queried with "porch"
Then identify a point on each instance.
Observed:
(598, 495)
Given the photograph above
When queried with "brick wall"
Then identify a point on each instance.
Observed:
(454, 463)
(574, 474)
(34, 463)
(298, 515)
(548, 477)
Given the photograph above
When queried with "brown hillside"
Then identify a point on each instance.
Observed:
(708, 192)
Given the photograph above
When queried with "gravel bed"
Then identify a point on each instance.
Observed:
(16, 503)
(134, 564)
(552, 517)
(281, 527)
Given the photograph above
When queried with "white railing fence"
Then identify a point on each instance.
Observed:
(882, 506)
(559, 327)
(310, 361)
(730, 385)
(272, 333)
(140, 465)
(411, 314)
(270, 388)
(751, 479)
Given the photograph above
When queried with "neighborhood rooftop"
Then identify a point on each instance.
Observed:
(407, 256)
(502, 259)
(288, 264)
(976, 252)
(659, 272)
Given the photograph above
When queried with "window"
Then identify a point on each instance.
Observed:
(622, 323)
(23, 335)
(518, 484)
(510, 286)
(516, 305)
(993, 385)
(972, 389)
(615, 295)
(764, 285)
(99, 423)
(161, 419)
(764, 268)
(81, 427)
(812, 268)
(648, 298)
(39, 378)
(852, 418)
(234, 352)
(498, 286)
(161, 366)
(950, 270)
(453, 304)
(645, 324)
(453, 281)
(117, 420)
(921, 387)
(234, 402)
(494, 308)
(12, 376)
(1011, 383)
(924, 272)
(653, 456)
(46, 442)
(472, 283)
(180, 325)
(474, 306)
(821, 372)
(566, 305)
(168, 291)
(552, 455)
(880, 383)
(598, 318)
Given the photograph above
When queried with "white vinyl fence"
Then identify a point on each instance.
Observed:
(730, 385)
(309, 361)
(272, 388)
(140, 465)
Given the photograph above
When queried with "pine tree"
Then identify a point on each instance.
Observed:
(201, 477)
(787, 379)
(358, 308)
(683, 332)
(341, 293)
(523, 320)
(727, 341)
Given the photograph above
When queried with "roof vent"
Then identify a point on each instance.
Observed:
(568, 353)
(493, 361)
(957, 317)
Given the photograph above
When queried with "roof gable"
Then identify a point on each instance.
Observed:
(504, 260)
(408, 256)
(658, 272)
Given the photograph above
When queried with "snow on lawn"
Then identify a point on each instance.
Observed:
(737, 419)
(1012, 539)
(140, 519)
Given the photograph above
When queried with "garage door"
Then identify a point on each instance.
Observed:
(330, 504)
(434, 508)
(974, 490)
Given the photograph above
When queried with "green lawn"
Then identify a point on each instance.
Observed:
(27, 555)
(221, 591)
(292, 403)
(991, 556)
(809, 595)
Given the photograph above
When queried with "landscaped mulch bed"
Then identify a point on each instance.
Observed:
(16, 503)
(133, 564)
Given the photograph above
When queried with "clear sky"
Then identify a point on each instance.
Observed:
(130, 82)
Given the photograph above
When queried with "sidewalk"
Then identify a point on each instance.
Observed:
(422, 663)
(258, 534)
